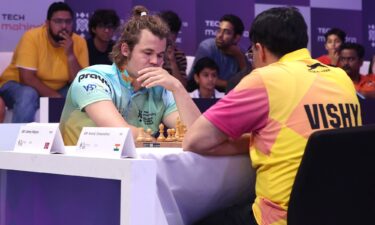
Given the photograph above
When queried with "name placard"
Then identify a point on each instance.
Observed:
(40, 138)
(107, 140)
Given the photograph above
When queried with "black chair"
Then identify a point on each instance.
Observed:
(335, 183)
(205, 103)
(367, 110)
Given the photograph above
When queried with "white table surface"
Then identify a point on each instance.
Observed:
(191, 186)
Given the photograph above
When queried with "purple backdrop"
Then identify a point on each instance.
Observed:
(368, 27)
(186, 39)
(200, 18)
(337, 18)
(285, 2)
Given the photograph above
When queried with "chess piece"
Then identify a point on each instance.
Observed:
(161, 137)
(140, 136)
(173, 132)
(169, 139)
(148, 135)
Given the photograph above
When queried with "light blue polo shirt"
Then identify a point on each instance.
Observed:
(144, 108)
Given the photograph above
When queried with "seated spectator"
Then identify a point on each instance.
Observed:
(333, 39)
(224, 50)
(175, 60)
(350, 60)
(45, 61)
(2, 110)
(205, 75)
(102, 25)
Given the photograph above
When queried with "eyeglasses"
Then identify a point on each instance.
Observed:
(249, 54)
(60, 21)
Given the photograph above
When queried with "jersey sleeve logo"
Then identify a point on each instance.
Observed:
(93, 86)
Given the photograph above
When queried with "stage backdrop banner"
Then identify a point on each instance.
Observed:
(368, 28)
(186, 39)
(17, 16)
(85, 8)
(209, 13)
(322, 19)
(285, 2)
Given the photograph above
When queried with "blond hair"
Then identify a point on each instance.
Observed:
(131, 33)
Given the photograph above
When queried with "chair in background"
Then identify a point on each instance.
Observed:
(367, 110)
(335, 183)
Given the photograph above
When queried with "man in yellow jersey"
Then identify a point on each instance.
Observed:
(45, 61)
(280, 103)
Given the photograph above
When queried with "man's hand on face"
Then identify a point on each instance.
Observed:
(157, 76)
(66, 43)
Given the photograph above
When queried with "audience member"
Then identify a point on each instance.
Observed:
(175, 60)
(205, 75)
(287, 97)
(224, 49)
(134, 91)
(350, 60)
(333, 39)
(102, 25)
(2, 110)
(45, 61)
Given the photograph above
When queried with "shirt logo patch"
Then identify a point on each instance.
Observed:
(147, 117)
(317, 68)
(89, 87)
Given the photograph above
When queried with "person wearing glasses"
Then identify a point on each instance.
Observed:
(45, 61)
(102, 25)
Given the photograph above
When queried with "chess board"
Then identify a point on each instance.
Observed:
(171, 139)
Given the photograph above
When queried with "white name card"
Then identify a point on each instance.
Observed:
(40, 138)
(107, 140)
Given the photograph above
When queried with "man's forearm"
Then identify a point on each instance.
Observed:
(73, 67)
(40, 87)
(187, 109)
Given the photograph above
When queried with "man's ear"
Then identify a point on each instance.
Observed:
(125, 51)
(261, 52)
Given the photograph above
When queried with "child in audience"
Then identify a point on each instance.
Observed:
(205, 75)
(334, 38)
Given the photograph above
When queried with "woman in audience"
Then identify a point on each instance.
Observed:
(334, 38)
(2, 110)
(205, 76)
